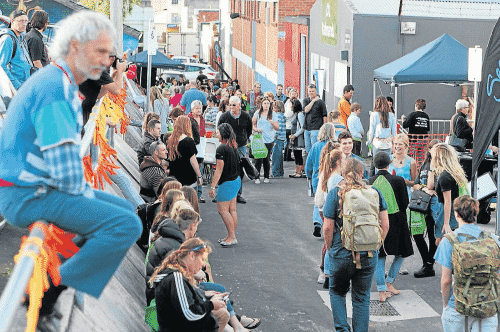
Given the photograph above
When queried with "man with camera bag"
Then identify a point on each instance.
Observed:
(111, 80)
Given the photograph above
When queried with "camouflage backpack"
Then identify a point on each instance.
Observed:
(476, 262)
(361, 229)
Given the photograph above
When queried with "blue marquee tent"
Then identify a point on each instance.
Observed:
(444, 60)
(159, 60)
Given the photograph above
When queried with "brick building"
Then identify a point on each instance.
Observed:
(255, 40)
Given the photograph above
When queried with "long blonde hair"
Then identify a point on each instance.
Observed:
(175, 260)
(329, 159)
(445, 158)
(352, 172)
(182, 126)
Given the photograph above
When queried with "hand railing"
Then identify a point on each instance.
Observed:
(21, 275)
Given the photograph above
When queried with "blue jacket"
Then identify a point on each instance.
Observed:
(17, 68)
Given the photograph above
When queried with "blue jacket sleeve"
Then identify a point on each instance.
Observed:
(309, 163)
(301, 118)
(6, 48)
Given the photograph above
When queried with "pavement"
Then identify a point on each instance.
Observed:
(273, 270)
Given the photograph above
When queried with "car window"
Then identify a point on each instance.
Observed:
(193, 68)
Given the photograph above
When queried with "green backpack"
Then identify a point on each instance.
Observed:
(386, 190)
(476, 262)
(361, 229)
(259, 150)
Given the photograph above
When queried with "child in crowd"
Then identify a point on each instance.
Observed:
(334, 117)
(356, 128)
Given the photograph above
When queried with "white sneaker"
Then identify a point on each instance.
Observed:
(266, 180)
(321, 278)
(257, 181)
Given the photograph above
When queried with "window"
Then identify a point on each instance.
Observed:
(275, 9)
(176, 18)
(243, 5)
(175, 2)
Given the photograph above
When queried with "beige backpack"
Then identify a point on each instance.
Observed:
(361, 229)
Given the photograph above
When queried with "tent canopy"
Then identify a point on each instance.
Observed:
(443, 60)
(159, 60)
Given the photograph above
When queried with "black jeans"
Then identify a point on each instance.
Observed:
(265, 161)
(427, 252)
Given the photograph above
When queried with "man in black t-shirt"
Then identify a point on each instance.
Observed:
(315, 116)
(93, 90)
(418, 121)
(201, 78)
(34, 39)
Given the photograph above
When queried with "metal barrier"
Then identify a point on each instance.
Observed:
(14, 291)
(437, 126)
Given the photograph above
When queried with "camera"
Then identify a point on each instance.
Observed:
(116, 62)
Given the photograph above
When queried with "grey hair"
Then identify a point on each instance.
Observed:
(235, 99)
(155, 146)
(196, 103)
(82, 26)
(461, 103)
(326, 132)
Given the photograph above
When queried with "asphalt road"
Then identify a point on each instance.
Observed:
(272, 272)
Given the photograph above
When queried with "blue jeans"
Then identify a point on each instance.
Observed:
(243, 153)
(316, 217)
(210, 286)
(454, 321)
(277, 158)
(125, 185)
(437, 211)
(342, 272)
(391, 276)
(310, 137)
(107, 222)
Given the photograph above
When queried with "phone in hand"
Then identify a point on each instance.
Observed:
(225, 298)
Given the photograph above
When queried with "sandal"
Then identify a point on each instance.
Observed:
(295, 175)
(249, 323)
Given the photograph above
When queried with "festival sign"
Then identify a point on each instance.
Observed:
(329, 22)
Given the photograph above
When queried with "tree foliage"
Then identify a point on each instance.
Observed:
(102, 6)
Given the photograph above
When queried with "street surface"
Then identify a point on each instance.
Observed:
(272, 272)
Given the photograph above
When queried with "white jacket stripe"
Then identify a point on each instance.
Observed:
(179, 283)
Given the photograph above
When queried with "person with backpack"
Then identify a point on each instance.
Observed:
(14, 55)
(353, 206)
(398, 240)
(451, 181)
(470, 297)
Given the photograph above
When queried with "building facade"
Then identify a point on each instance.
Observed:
(349, 39)
(255, 40)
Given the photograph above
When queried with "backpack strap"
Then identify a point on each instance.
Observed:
(14, 50)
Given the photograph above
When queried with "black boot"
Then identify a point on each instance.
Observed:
(326, 284)
(427, 270)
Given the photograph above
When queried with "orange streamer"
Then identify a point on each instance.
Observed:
(56, 241)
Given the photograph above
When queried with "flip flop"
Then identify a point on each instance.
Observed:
(228, 244)
(252, 324)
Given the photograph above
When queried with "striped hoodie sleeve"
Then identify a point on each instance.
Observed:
(191, 309)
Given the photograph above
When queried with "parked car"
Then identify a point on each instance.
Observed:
(192, 70)
(184, 59)
(172, 74)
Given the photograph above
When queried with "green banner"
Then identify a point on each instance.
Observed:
(329, 22)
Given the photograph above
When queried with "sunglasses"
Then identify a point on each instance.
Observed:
(233, 104)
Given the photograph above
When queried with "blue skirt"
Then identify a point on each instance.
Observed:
(228, 190)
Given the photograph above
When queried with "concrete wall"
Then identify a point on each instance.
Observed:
(376, 41)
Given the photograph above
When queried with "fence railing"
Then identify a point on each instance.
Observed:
(21, 275)
(437, 126)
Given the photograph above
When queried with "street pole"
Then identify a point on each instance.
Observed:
(148, 84)
(116, 16)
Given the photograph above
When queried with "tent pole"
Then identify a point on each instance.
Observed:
(374, 93)
(475, 99)
(396, 102)
(497, 228)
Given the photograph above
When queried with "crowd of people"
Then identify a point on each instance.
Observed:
(363, 215)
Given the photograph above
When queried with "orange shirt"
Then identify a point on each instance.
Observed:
(344, 107)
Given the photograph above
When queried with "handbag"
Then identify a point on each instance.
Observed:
(249, 168)
(458, 143)
(419, 201)
(259, 149)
